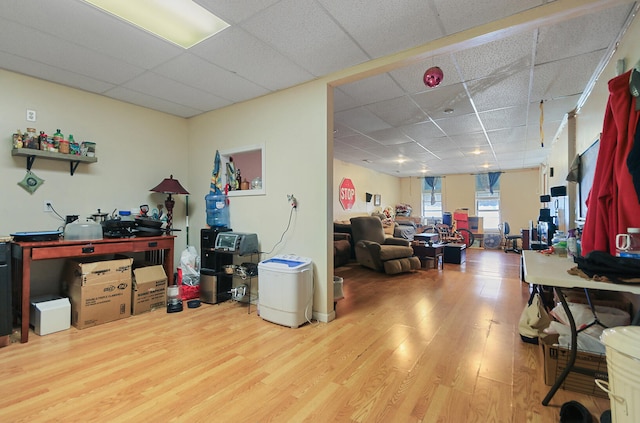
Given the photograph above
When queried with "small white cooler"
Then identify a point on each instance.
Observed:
(623, 365)
(286, 290)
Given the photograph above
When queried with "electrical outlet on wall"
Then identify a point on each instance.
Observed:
(47, 206)
(31, 115)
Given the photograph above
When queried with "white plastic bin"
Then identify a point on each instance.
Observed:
(623, 365)
(286, 290)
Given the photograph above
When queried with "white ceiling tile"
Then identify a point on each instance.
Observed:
(240, 52)
(389, 136)
(305, 33)
(235, 11)
(342, 101)
(81, 24)
(422, 132)
(504, 118)
(458, 15)
(361, 120)
(49, 73)
(62, 54)
(386, 27)
(504, 56)
(514, 134)
(358, 141)
(158, 86)
(580, 35)
(372, 89)
(552, 81)
(208, 77)
(276, 44)
(460, 124)
(435, 101)
(151, 102)
(500, 90)
(398, 111)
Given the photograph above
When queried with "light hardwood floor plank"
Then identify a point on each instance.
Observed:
(426, 346)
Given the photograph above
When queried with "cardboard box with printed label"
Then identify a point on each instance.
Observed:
(149, 289)
(593, 366)
(100, 290)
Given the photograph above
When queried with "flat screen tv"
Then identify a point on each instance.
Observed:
(587, 171)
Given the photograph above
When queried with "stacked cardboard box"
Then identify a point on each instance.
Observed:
(100, 290)
(149, 289)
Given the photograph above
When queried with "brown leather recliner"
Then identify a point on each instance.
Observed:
(379, 252)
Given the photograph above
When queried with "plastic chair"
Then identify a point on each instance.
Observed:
(513, 239)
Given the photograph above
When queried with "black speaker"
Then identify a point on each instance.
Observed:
(545, 198)
(369, 197)
(560, 191)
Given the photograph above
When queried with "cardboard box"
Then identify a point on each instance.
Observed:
(149, 289)
(555, 361)
(100, 291)
(50, 314)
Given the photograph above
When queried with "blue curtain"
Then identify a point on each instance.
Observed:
(430, 183)
(493, 180)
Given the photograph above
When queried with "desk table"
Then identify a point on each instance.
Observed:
(23, 253)
(551, 270)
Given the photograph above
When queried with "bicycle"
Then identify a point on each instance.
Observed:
(447, 234)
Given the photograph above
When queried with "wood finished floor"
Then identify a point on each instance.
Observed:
(428, 346)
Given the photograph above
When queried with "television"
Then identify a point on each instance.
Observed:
(586, 174)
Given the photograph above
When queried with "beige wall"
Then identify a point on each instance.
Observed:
(292, 125)
(136, 148)
(365, 180)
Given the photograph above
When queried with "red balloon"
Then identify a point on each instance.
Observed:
(433, 76)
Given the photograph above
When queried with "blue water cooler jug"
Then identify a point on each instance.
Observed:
(217, 210)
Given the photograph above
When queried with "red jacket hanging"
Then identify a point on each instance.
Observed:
(613, 206)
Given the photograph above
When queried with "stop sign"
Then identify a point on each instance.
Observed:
(347, 194)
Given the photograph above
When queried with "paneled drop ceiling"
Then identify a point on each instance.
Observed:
(485, 116)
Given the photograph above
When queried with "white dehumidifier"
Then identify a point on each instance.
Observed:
(286, 290)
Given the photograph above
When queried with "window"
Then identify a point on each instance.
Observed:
(488, 200)
(432, 200)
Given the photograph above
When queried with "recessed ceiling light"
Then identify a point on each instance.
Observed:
(448, 110)
(366, 160)
(477, 151)
(182, 22)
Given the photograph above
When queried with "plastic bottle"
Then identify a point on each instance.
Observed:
(217, 210)
(572, 244)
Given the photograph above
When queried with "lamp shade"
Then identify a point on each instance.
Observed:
(170, 186)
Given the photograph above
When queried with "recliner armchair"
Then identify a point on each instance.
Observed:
(379, 252)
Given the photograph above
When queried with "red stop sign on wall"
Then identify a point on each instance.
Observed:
(347, 194)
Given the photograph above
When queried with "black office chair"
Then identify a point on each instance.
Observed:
(510, 238)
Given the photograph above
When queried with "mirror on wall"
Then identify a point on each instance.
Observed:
(248, 163)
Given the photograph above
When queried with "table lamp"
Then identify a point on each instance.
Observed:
(169, 186)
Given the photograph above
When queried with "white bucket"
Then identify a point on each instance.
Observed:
(623, 365)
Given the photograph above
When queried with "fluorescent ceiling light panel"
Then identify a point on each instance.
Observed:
(181, 22)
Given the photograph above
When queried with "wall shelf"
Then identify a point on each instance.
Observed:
(31, 155)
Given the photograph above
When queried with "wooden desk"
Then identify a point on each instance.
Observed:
(23, 253)
(551, 271)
